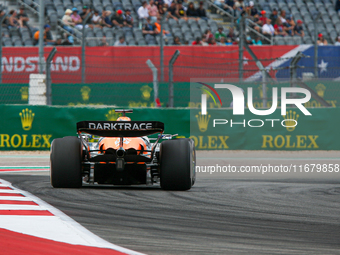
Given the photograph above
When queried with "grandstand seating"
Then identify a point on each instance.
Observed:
(328, 24)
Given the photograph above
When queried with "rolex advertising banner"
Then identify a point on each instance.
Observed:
(34, 127)
(142, 95)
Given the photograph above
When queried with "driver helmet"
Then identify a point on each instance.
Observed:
(123, 118)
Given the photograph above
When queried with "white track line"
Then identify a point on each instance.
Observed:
(15, 198)
(58, 228)
(9, 191)
(21, 207)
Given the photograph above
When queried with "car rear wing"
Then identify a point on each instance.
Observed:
(120, 128)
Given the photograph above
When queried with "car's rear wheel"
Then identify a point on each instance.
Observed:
(66, 157)
(177, 164)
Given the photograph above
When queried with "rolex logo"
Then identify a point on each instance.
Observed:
(85, 93)
(291, 115)
(24, 93)
(320, 89)
(112, 115)
(146, 92)
(203, 121)
(27, 117)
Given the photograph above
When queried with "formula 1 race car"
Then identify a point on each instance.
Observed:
(120, 153)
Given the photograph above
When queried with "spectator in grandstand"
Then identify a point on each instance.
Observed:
(249, 41)
(263, 18)
(219, 34)
(280, 28)
(143, 12)
(22, 16)
(268, 28)
(176, 41)
(5, 21)
(61, 42)
(231, 35)
(87, 11)
(337, 6)
(298, 29)
(172, 11)
(211, 41)
(96, 19)
(121, 41)
(48, 38)
(337, 43)
(204, 41)
(105, 19)
(191, 12)
(253, 10)
(103, 41)
(119, 19)
(208, 34)
(167, 3)
(321, 40)
(240, 5)
(221, 42)
(153, 10)
(161, 9)
(149, 28)
(282, 16)
(128, 18)
(67, 21)
(197, 41)
(289, 25)
(76, 18)
(13, 21)
(201, 11)
(181, 13)
(158, 26)
(274, 16)
(257, 41)
(229, 6)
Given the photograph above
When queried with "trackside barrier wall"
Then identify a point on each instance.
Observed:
(34, 127)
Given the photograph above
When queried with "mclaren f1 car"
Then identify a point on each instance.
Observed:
(121, 153)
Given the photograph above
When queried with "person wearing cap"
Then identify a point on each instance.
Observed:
(67, 21)
(119, 19)
(150, 28)
(253, 10)
(22, 16)
(128, 18)
(289, 25)
(153, 11)
(263, 18)
(274, 16)
(76, 18)
(321, 40)
(298, 29)
(87, 11)
(143, 12)
(48, 39)
(220, 34)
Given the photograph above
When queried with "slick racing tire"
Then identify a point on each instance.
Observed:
(66, 157)
(177, 164)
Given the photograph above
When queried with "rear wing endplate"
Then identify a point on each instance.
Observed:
(120, 128)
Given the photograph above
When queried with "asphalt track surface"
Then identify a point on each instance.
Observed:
(238, 213)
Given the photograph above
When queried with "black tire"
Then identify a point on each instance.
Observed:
(66, 157)
(177, 164)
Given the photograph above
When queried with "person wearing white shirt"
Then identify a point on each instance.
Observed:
(268, 28)
(143, 12)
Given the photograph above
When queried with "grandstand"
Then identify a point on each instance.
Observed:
(186, 30)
